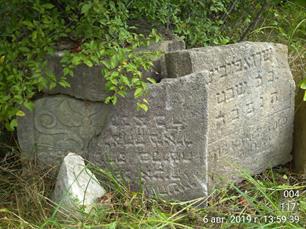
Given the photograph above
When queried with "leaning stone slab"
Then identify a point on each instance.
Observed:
(233, 112)
(58, 125)
(76, 186)
(89, 84)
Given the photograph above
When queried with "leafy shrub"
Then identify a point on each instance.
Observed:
(99, 32)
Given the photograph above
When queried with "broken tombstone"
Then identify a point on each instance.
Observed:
(233, 112)
(76, 187)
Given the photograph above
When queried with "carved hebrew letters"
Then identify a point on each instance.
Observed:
(251, 119)
(162, 148)
(250, 94)
(233, 110)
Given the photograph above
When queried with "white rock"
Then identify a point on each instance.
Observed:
(76, 186)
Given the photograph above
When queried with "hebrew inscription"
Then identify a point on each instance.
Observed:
(233, 111)
(250, 105)
(164, 148)
(225, 109)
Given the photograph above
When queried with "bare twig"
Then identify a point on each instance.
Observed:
(263, 8)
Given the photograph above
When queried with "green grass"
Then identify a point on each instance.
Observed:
(25, 203)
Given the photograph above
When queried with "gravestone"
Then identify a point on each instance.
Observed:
(224, 109)
(251, 98)
(233, 111)
(89, 84)
(58, 125)
(165, 146)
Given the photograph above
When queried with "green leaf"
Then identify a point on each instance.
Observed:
(121, 93)
(303, 84)
(85, 8)
(106, 64)
(29, 105)
(304, 96)
(145, 101)
(52, 85)
(11, 125)
(114, 81)
(138, 92)
(114, 61)
(24, 49)
(64, 83)
(2, 59)
(47, 6)
(151, 80)
(76, 60)
(88, 63)
(114, 100)
(68, 71)
(20, 113)
(29, 24)
(34, 35)
(125, 80)
(108, 99)
(142, 106)
(135, 80)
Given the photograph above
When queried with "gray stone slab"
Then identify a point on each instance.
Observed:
(250, 104)
(89, 84)
(234, 111)
(57, 125)
(165, 147)
(159, 70)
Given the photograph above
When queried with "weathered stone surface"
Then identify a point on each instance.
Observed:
(76, 186)
(234, 111)
(59, 124)
(89, 84)
(251, 104)
(165, 146)
(159, 70)
(300, 139)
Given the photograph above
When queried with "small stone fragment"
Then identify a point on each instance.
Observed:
(76, 186)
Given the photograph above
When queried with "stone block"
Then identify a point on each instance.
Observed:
(159, 70)
(251, 100)
(76, 187)
(58, 125)
(86, 83)
(165, 146)
(234, 111)
(89, 84)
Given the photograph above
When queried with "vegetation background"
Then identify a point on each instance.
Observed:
(107, 33)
